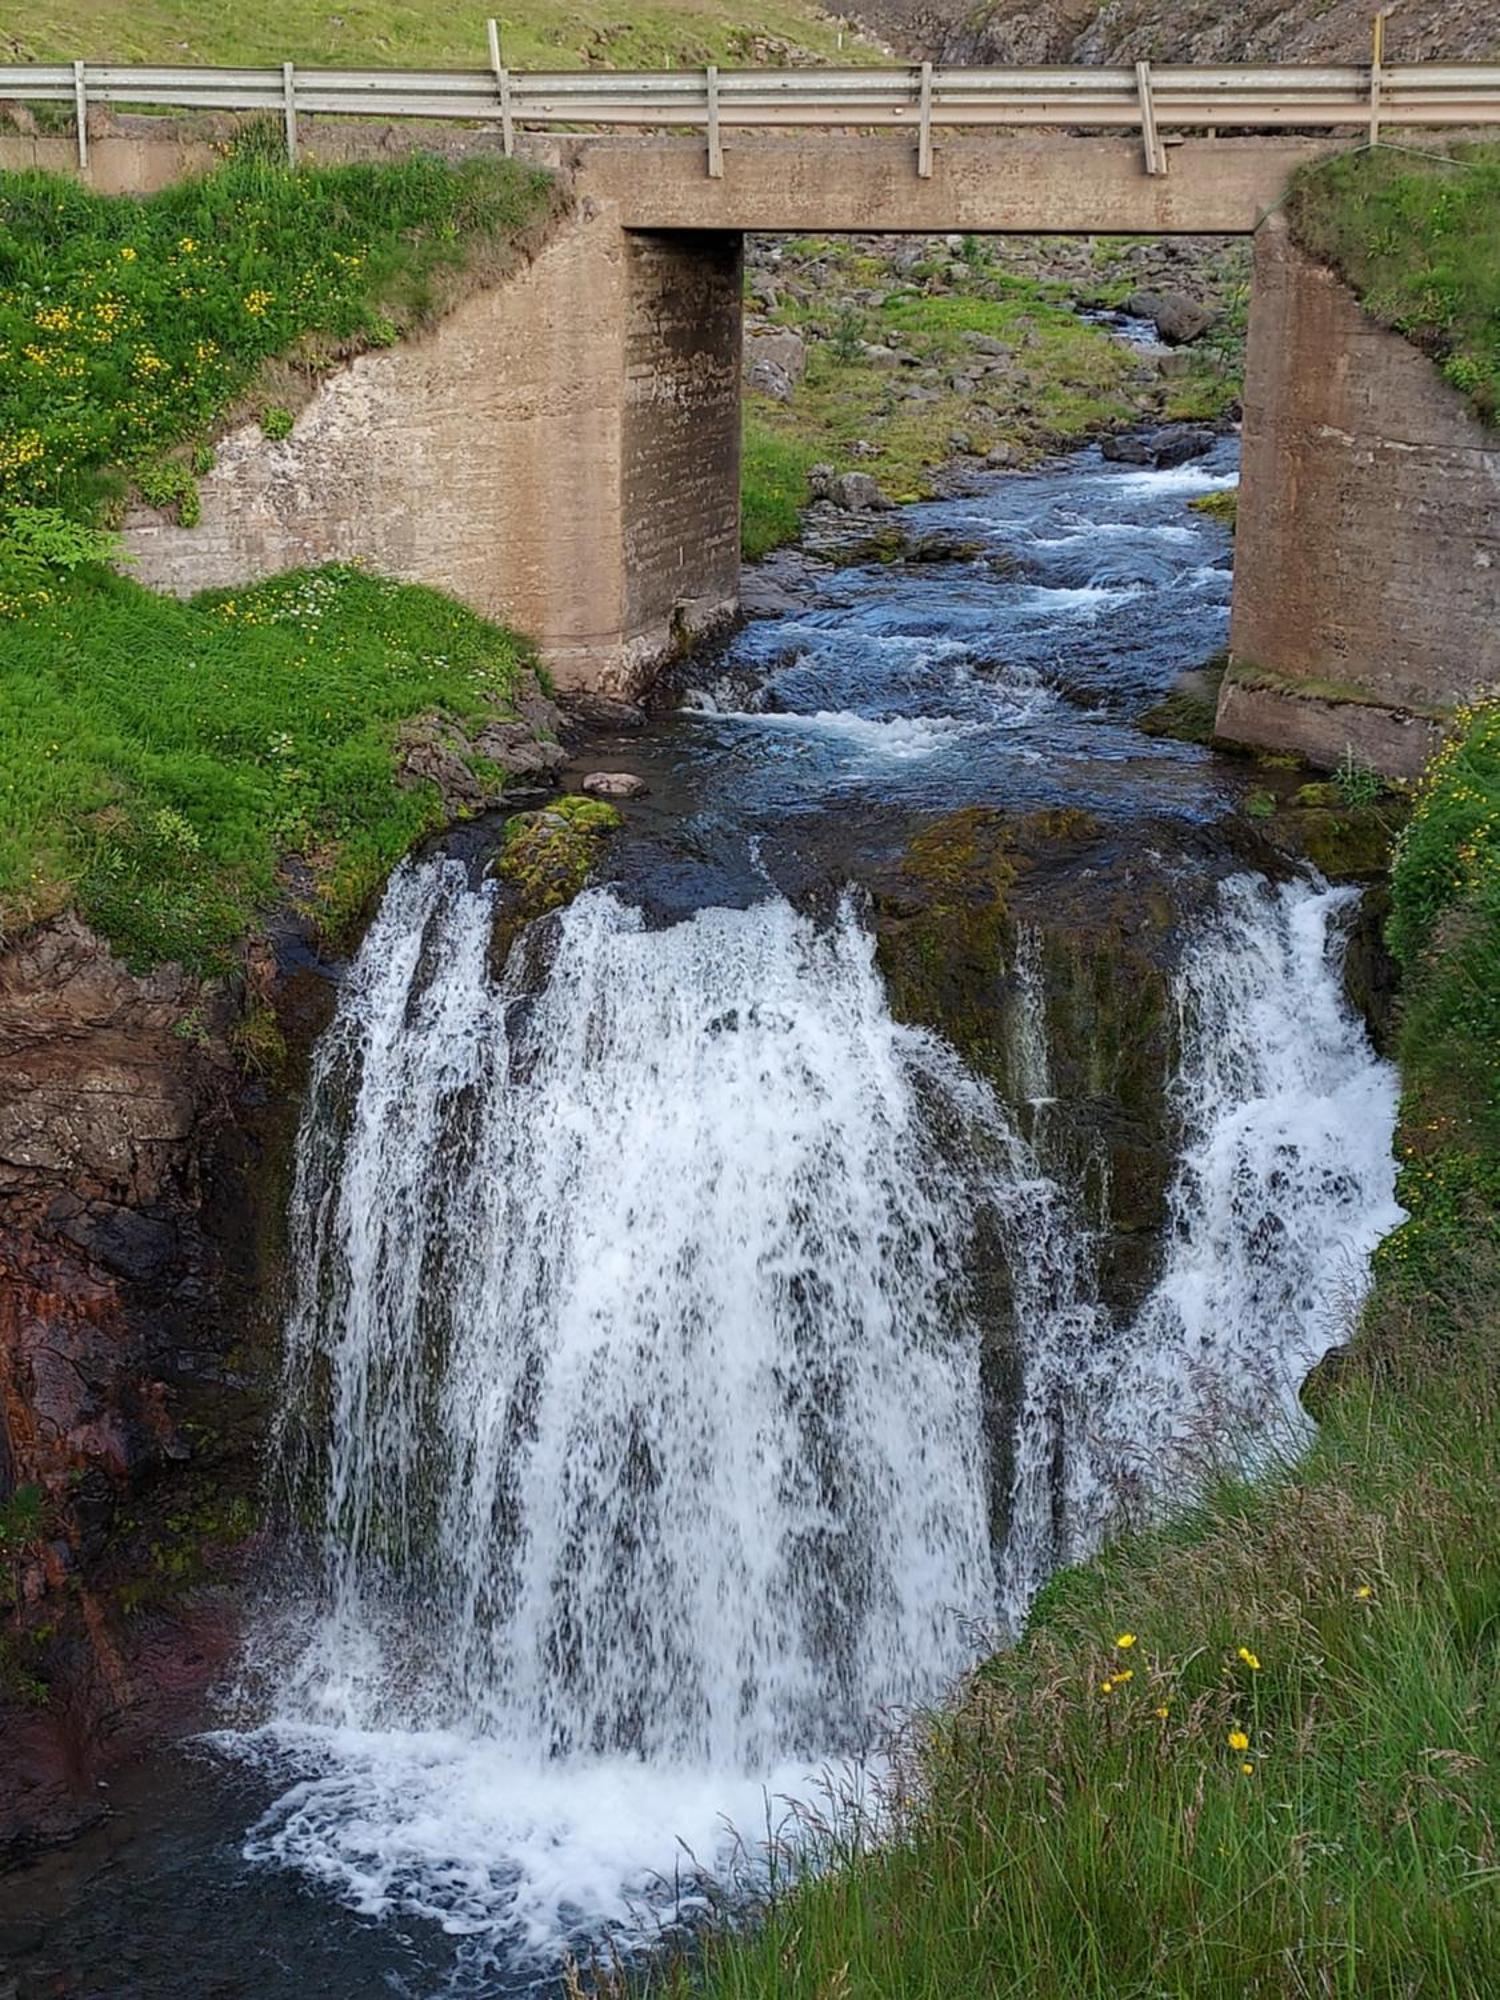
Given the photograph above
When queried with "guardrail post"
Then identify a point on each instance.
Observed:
(502, 84)
(289, 111)
(715, 143)
(1377, 72)
(1156, 153)
(924, 124)
(81, 107)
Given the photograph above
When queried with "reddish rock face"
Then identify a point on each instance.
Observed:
(135, 1169)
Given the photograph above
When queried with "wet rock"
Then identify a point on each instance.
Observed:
(603, 711)
(545, 860)
(1176, 444)
(941, 545)
(1177, 318)
(1129, 450)
(614, 785)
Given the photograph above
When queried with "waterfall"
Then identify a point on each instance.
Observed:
(1285, 1184)
(636, 1381)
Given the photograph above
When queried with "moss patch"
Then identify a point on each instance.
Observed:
(547, 857)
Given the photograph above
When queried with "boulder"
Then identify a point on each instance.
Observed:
(857, 493)
(1175, 444)
(775, 362)
(1130, 450)
(615, 785)
(1177, 318)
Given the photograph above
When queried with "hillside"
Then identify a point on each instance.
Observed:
(1207, 31)
(544, 34)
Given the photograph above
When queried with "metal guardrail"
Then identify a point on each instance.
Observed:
(1148, 99)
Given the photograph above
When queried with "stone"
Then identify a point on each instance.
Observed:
(857, 493)
(1176, 444)
(614, 785)
(775, 361)
(603, 711)
(1177, 318)
(1128, 450)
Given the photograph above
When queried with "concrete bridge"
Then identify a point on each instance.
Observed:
(563, 451)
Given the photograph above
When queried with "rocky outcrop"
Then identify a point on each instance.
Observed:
(140, 1187)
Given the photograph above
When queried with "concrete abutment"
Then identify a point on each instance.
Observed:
(562, 450)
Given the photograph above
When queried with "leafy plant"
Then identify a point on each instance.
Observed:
(1358, 785)
(276, 422)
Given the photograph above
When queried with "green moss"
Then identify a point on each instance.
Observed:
(547, 857)
(1244, 673)
(1222, 506)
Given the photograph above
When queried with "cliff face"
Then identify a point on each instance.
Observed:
(139, 1190)
(1187, 31)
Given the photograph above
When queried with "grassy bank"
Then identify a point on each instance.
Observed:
(423, 34)
(129, 330)
(1256, 1752)
(158, 760)
(955, 356)
(1419, 240)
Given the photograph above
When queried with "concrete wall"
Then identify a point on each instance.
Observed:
(680, 487)
(1367, 572)
(1052, 183)
(561, 451)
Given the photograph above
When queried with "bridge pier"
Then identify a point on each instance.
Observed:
(561, 451)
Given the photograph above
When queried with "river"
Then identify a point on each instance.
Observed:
(693, 1361)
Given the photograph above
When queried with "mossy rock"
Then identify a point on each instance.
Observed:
(546, 858)
(1347, 844)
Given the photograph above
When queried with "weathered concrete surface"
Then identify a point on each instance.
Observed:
(1007, 182)
(1367, 573)
(680, 477)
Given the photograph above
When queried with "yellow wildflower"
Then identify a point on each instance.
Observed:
(1238, 1740)
(1250, 1659)
(1125, 1641)
(1106, 1687)
(127, 255)
(1247, 1769)
(1363, 1591)
(1127, 1675)
(1163, 1712)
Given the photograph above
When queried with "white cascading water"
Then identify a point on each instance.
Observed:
(1285, 1184)
(634, 1381)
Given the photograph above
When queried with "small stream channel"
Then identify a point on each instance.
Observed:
(701, 1349)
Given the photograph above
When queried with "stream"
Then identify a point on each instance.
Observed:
(693, 1362)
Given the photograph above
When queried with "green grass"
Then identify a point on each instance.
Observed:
(1287, 1784)
(1419, 240)
(1445, 932)
(1067, 380)
(773, 485)
(130, 328)
(416, 34)
(158, 760)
